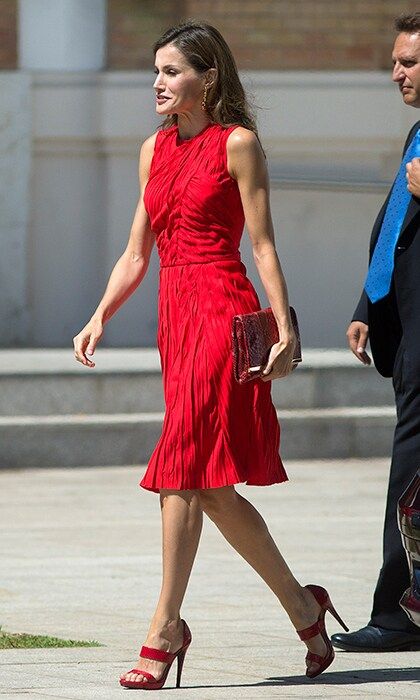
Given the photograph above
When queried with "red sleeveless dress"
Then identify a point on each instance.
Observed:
(216, 432)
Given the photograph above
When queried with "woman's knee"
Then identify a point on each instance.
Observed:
(215, 501)
(177, 498)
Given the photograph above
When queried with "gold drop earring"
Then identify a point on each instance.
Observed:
(204, 100)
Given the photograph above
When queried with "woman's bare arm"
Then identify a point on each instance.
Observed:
(246, 163)
(128, 271)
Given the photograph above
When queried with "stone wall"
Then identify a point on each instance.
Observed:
(15, 162)
(70, 133)
(331, 154)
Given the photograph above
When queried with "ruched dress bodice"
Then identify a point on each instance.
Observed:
(193, 203)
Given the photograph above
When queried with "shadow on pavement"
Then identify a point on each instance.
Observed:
(368, 675)
(377, 675)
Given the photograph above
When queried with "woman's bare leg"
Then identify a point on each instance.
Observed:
(182, 519)
(244, 528)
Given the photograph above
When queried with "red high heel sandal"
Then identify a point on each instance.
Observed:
(321, 596)
(158, 655)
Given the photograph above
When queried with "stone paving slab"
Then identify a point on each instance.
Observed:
(80, 552)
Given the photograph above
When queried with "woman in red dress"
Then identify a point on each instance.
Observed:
(201, 176)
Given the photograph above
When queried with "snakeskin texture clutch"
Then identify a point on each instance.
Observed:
(253, 335)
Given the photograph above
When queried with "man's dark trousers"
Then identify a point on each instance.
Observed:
(394, 576)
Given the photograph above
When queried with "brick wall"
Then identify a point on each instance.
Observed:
(263, 34)
(133, 26)
(8, 37)
(266, 34)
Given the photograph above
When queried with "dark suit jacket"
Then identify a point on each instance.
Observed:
(398, 314)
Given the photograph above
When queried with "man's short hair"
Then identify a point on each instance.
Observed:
(408, 22)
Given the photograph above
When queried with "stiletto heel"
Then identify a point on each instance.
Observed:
(181, 657)
(323, 599)
(159, 655)
(335, 614)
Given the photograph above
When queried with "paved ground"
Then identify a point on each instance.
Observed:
(80, 559)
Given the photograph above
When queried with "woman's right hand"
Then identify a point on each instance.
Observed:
(85, 342)
(280, 360)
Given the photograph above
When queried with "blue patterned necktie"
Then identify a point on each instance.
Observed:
(378, 281)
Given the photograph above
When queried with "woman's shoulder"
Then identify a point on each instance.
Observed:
(243, 142)
(244, 153)
(148, 144)
(147, 150)
(240, 139)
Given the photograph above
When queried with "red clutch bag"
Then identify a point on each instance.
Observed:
(253, 336)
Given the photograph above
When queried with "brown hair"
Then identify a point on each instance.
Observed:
(409, 23)
(204, 47)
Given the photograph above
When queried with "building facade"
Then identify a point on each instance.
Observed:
(76, 83)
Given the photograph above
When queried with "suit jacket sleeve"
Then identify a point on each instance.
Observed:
(361, 312)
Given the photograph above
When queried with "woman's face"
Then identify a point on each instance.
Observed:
(179, 88)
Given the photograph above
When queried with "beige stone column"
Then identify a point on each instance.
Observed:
(62, 35)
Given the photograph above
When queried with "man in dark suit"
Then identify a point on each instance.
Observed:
(389, 315)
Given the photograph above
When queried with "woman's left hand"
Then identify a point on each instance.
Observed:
(280, 359)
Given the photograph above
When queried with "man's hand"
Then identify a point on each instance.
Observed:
(357, 335)
(413, 177)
